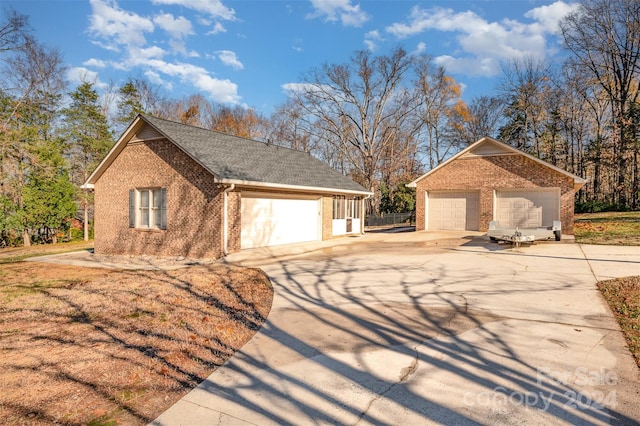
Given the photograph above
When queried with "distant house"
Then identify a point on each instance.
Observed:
(169, 189)
(491, 181)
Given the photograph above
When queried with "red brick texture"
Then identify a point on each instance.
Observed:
(194, 205)
(499, 172)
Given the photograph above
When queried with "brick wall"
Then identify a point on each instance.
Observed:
(327, 218)
(233, 210)
(194, 204)
(489, 173)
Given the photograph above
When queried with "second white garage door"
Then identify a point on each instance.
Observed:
(273, 221)
(527, 208)
(458, 211)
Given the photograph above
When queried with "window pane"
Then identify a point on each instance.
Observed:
(157, 218)
(144, 217)
(144, 198)
(157, 199)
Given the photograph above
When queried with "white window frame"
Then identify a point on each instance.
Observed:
(346, 208)
(339, 207)
(152, 215)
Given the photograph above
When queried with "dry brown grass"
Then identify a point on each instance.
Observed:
(623, 296)
(100, 347)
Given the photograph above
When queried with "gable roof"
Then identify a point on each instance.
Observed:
(489, 147)
(236, 160)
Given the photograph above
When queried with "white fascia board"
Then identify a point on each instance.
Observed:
(578, 181)
(268, 185)
(113, 152)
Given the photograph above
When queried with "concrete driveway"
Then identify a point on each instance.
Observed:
(423, 328)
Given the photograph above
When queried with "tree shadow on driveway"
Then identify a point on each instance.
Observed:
(371, 339)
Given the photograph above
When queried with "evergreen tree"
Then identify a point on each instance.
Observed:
(88, 139)
(129, 105)
(48, 195)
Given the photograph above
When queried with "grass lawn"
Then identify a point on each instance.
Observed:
(106, 347)
(623, 294)
(614, 228)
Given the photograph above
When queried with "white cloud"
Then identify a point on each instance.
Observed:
(483, 44)
(96, 63)
(213, 8)
(114, 24)
(217, 28)
(550, 16)
(298, 45)
(80, 75)
(229, 58)
(138, 54)
(223, 91)
(155, 78)
(342, 10)
(420, 48)
(178, 28)
(469, 66)
(297, 87)
(371, 39)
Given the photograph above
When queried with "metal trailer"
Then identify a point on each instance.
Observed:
(518, 236)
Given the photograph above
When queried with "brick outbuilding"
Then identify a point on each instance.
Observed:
(491, 181)
(169, 189)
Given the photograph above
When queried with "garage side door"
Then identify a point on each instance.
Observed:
(527, 209)
(272, 221)
(454, 211)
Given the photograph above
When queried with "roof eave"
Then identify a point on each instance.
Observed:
(279, 186)
(578, 181)
(113, 152)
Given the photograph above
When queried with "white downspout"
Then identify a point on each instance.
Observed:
(225, 219)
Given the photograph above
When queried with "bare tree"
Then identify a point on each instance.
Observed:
(238, 121)
(525, 86)
(361, 108)
(441, 112)
(485, 117)
(286, 128)
(604, 36)
(13, 31)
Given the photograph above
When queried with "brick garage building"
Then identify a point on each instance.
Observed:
(169, 189)
(491, 181)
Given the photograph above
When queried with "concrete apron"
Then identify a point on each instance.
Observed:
(455, 334)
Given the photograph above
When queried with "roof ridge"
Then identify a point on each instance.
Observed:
(153, 117)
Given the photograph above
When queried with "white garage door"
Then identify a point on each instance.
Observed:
(454, 210)
(273, 221)
(527, 209)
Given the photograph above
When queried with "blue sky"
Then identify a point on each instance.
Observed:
(245, 52)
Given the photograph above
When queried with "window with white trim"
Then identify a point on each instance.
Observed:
(148, 208)
(338, 206)
(346, 208)
(353, 208)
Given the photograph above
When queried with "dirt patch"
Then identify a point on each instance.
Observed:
(94, 346)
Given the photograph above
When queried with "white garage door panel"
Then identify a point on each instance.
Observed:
(453, 211)
(273, 221)
(527, 209)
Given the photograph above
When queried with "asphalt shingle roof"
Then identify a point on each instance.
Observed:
(234, 158)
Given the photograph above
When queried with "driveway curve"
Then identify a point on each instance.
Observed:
(428, 328)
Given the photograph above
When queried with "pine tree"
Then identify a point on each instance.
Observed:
(88, 139)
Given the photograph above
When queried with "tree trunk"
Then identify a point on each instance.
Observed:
(26, 238)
